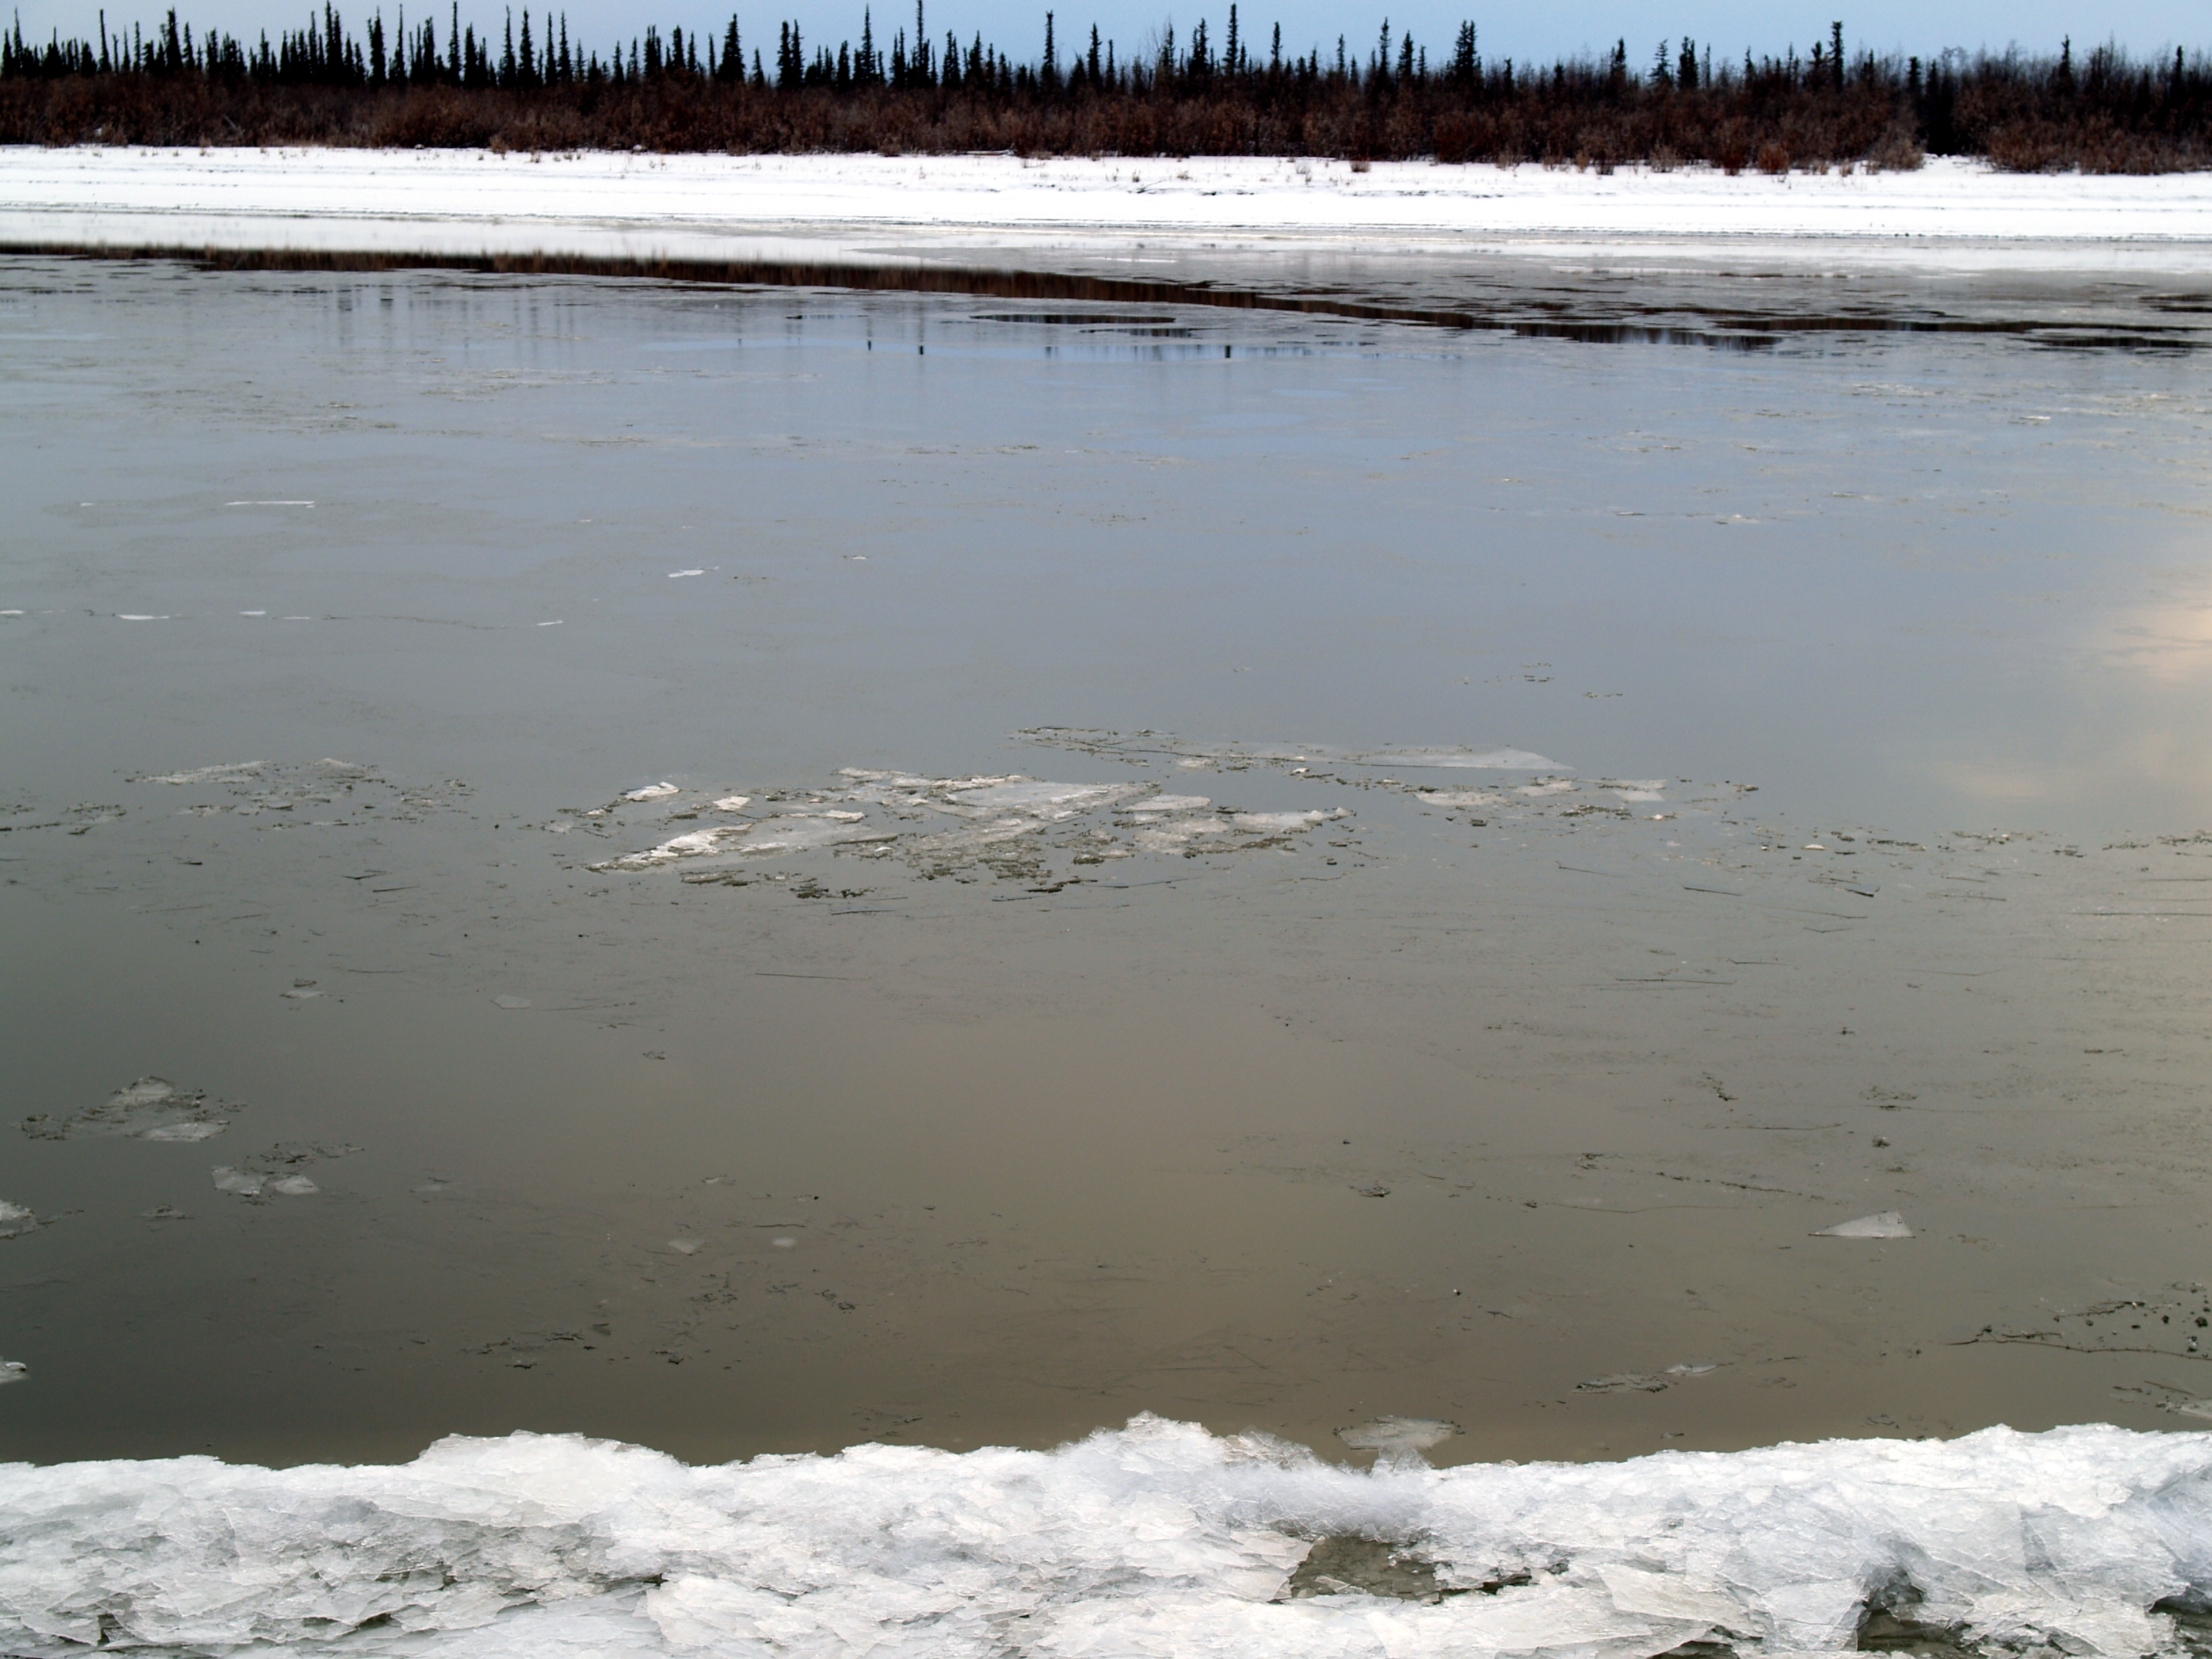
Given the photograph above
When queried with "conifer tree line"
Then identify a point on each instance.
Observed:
(441, 81)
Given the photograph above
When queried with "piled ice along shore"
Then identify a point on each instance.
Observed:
(1156, 1539)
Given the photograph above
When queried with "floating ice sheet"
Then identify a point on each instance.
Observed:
(149, 1108)
(16, 1220)
(905, 814)
(1158, 1539)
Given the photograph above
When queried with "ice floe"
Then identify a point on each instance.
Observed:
(148, 1109)
(1156, 1540)
(252, 1183)
(13, 1370)
(1888, 1224)
(210, 773)
(16, 1220)
(944, 823)
(277, 1172)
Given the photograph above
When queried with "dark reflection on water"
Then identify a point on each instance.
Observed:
(1515, 295)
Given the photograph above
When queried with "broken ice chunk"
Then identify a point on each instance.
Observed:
(13, 1370)
(1275, 823)
(294, 1186)
(149, 1108)
(1042, 798)
(1398, 1440)
(244, 1183)
(651, 791)
(732, 803)
(1171, 804)
(16, 1220)
(1888, 1224)
(508, 1000)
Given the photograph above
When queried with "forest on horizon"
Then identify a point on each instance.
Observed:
(455, 87)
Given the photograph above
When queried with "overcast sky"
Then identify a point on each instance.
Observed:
(1525, 33)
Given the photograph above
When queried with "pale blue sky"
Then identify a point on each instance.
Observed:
(2145, 26)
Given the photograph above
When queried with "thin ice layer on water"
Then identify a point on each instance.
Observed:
(147, 1109)
(1158, 1539)
(1497, 758)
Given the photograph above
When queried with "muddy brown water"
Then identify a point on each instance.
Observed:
(1549, 827)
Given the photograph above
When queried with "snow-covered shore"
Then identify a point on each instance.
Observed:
(449, 201)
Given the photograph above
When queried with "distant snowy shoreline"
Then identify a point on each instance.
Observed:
(597, 205)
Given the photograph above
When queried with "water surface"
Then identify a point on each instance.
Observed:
(1549, 824)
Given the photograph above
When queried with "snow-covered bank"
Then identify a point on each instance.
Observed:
(697, 206)
(1158, 1539)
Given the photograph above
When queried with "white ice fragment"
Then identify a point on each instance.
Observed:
(1398, 1440)
(253, 613)
(1888, 1224)
(1549, 787)
(1043, 798)
(241, 1181)
(16, 1220)
(685, 1245)
(125, 616)
(1170, 803)
(674, 574)
(294, 1186)
(13, 1370)
(690, 845)
(732, 803)
(556, 622)
(268, 503)
(1697, 1369)
(1670, 1595)
(508, 1000)
(652, 792)
(785, 1243)
(1270, 824)
(211, 774)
